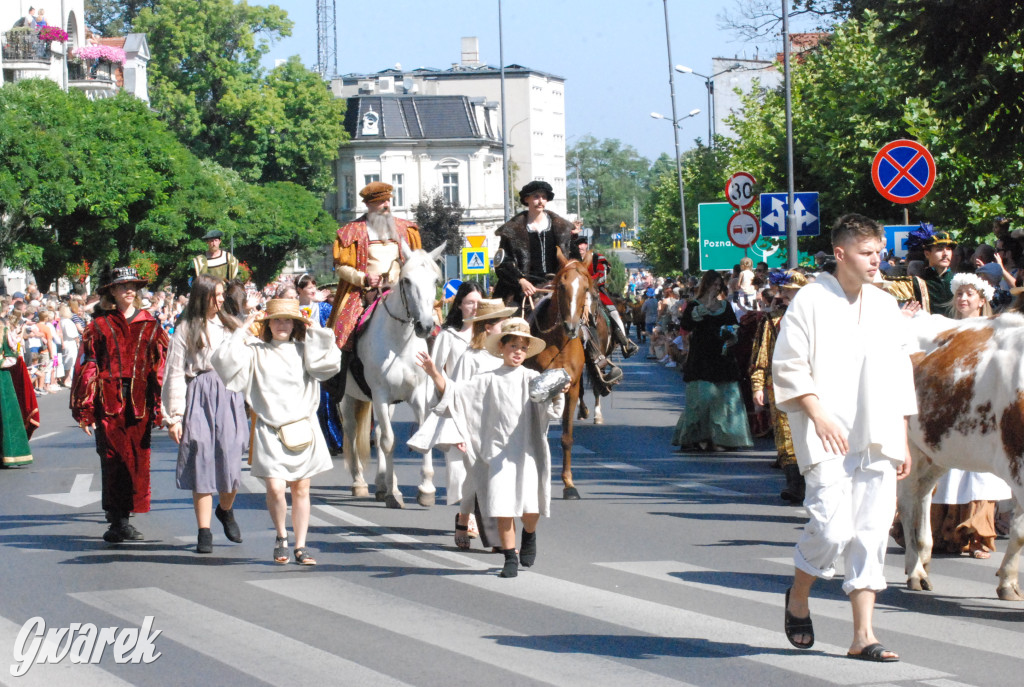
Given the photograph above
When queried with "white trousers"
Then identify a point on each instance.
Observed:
(851, 502)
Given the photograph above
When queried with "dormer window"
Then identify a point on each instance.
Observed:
(371, 124)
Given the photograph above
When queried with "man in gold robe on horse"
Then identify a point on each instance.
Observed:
(368, 259)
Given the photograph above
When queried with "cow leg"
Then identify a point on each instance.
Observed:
(914, 495)
(1009, 585)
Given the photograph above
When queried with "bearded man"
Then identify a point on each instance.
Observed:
(368, 258)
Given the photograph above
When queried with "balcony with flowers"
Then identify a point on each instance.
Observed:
(32, 48)
(95, 69)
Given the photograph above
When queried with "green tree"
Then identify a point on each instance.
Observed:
(611, 176)
(439, 221)
(209, 87)
(114, 17)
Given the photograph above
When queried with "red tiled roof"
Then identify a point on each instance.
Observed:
(112, 41)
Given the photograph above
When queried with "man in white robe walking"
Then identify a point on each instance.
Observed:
(842, 373)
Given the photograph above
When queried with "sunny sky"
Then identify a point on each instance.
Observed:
(611, 52)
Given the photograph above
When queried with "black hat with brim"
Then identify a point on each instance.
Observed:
(120, 275)
(213, 234)
(536, 187)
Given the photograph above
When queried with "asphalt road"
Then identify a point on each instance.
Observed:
(670, 570)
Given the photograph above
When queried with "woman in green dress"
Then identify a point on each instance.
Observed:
(12, 422)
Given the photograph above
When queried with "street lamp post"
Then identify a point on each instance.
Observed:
(679, 167)
(709, 83)
(675, 133)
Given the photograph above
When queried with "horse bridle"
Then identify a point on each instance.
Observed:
(405, 301)
(558, 312)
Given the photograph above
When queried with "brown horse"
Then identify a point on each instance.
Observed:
(558, 320)
(605, 346)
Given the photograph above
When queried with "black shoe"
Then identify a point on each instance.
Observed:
(629, 349)
(511, 568)
(204, 543)
(528, 549)
(130, 533)
(231, 528)
(114, 534)
(795, 487)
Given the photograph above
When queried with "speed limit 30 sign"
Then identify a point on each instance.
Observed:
(739, 190)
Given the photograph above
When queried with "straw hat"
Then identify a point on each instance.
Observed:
(515, 326)
(285, 309)
(490, 309)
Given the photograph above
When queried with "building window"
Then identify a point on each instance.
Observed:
(450, 187)
(348, 192)
(370, 178)
(397, 180)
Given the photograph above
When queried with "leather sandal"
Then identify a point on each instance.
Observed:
(798, 626)
(303, 558)
(281, 550)
(461, 534)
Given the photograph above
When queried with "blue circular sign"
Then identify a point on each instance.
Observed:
(451, 287)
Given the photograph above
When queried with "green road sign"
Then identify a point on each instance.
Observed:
(717, 252)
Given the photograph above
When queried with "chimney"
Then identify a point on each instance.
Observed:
(470, 51)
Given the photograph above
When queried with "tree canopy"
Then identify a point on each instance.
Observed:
(101, 181)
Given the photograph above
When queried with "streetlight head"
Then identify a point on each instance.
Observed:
(695, 112)
(684, 70)
(657, 115)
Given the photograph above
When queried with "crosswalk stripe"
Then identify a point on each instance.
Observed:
(44, 436)
(268, 656)
(63, 674)
(710, 489)
(254, 484)
(622, 467)
(491, 644)
(940, 628)
(946, 585)
(720, 636)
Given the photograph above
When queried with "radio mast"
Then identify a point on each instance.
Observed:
(326, 38)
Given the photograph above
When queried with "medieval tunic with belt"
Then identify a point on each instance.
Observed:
(280, 380)
(356, 252)
(117, 388)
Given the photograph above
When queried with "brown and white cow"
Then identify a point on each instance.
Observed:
(970, 394)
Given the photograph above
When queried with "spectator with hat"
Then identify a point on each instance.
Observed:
(116, 392)
(932, 289)
(215, 262)
(368, 258)
(529, 242)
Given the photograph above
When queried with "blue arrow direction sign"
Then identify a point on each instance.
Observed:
(773, 214)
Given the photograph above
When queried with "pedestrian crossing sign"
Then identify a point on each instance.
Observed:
(474, 261)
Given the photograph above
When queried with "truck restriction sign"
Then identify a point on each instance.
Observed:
(744, 229)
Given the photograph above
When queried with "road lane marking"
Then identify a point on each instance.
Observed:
(44, 436)
(622, 467)
(710, 489)
(266, 655)
(484, 642)
(78, 496)
(938, 628)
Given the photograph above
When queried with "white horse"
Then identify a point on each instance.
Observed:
(396, 332)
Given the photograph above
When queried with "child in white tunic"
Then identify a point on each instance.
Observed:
(502, 427)
(279, 375)
(842, 374)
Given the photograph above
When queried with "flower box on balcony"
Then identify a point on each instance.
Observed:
(50, 34)
(103, 53)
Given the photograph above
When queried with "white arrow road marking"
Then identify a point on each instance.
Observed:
(79, 495)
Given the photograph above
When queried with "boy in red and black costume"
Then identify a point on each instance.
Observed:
(117, 392)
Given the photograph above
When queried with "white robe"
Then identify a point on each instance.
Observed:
(280, 380)
(855, 357)
(503, 428)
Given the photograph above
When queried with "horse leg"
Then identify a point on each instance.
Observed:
(426, 494)
(1009, 586)
(598, 417)
(914, 495)
(387, 483)
(569, 491)
(351, 412)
